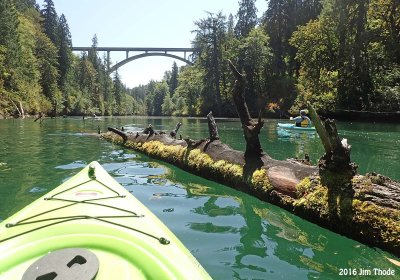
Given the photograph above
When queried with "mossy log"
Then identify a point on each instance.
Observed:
(372, 214)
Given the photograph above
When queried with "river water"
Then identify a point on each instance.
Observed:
(233, 235)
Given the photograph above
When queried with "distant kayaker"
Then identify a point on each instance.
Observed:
(302, 120)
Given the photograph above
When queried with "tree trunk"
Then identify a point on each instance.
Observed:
(251, 129)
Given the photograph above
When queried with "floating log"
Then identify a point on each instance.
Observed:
(365, 208)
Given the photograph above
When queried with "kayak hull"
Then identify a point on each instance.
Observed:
(290, 126)
(93, 211)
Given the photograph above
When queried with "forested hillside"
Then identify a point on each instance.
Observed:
(338, 54)
(40, 74)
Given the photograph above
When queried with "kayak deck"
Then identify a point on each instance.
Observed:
(93, 211)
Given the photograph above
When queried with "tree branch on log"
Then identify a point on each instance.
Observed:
(149, 130)
(251, 128)
(335, 168)
(212, 127)
(175, 131)
(119, 132)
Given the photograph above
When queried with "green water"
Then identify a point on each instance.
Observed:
(233, 235)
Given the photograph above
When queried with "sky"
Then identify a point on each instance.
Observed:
(140, 23)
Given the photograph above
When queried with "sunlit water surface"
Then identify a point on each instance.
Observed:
(233, 235)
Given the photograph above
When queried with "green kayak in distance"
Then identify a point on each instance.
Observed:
(92, 228)
(291, 126)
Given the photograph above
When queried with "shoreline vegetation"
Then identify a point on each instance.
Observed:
(342, 56)
(349, 115)
(331, 194)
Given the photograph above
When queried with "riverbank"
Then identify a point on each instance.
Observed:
(340, 115)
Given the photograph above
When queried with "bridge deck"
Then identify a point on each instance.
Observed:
(125, 49)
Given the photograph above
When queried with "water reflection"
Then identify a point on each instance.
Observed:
(233, 235)
(261, 241)
(293, 135)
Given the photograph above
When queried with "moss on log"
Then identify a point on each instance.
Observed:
(371, 215)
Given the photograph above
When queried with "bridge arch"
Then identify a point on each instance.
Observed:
(129, 59)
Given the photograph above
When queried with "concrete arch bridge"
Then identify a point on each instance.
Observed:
(142, 52)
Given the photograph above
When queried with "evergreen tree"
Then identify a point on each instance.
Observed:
(180, 106)
(149, 100)
(210, 39)
(247, 21)
(230, 26)
(9, 35)
(23, 5)
(118, 93)
(280, 20)
(275, 21)
(106, 85)
(29, 75)
(92, 53)
(354, 83)
(173, 80)
(47, 55)
(10, 52)
(256, 62)
(167, 106)
(247, 17)
(64, 57)
(86, 77)
(50, 21)
(160, 92)
(231, 51)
